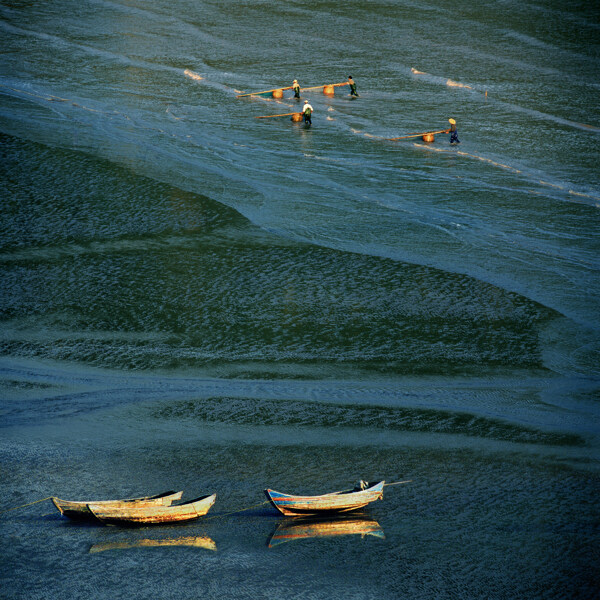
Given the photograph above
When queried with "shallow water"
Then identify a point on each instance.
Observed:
(196, 299)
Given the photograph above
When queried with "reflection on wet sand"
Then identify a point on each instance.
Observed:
(195, 541)
(297, 529)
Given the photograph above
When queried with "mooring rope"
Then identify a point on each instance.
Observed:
(397, 482)
(24, 505)
(236, 511)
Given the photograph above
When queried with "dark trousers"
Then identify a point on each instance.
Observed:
(454, 137)
(353, 91)
(307, 118)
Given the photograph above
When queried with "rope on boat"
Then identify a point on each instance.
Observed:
(24, 505)
(397, 482)
(233, 512)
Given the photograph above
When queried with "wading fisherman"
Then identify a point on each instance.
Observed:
(453, 132)
(352, 85)
(296, 89)
(307, 111)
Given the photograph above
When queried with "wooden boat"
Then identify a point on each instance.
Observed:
(79, 509)
(201, 541)
(335, 502)
(309, 527)
(142, 515)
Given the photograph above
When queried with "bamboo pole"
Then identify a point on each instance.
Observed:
(318, 87)
(289, 87)
(403, 137)
(283, 115)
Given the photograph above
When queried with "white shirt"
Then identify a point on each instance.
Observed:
(307, 105)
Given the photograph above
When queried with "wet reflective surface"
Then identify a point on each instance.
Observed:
(188, 541)
(191, 298)
(308, 528)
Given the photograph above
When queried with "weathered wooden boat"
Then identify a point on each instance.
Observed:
(143, 515)
(198, 541)
(79, 509)
(335, 502)
(310, 527)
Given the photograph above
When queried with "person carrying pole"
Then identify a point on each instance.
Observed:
(352, 85)
(307, 112)
(296, 89)
(453, 132)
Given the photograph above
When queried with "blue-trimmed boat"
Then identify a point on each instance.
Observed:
(334, 502)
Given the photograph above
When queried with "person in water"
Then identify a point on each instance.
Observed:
(453, 132)
(296, 89)
(307, 112)
(352, 85)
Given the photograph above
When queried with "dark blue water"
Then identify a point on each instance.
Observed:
(192, 298)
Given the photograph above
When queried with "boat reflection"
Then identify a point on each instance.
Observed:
(299, 529)
(191, 541)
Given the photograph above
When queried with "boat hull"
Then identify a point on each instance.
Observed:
(78, 509)
(146, 515)
(337, 502)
